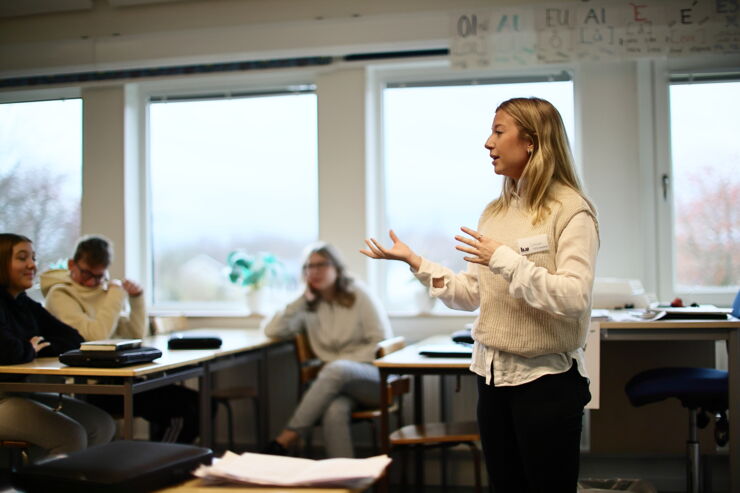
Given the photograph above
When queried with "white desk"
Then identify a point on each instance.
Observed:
(239, 346)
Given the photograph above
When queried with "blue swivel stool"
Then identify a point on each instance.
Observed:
(702, 390)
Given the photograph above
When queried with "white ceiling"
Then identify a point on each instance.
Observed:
(15, 8)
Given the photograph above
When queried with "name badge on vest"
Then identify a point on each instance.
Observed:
(533, 244)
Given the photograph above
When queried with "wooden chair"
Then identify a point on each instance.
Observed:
(309, 366)
(430, 435)
(222, 396)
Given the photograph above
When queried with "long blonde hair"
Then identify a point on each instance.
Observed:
(550, 162)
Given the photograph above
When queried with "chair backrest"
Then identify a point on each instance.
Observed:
(308, 364)
(167, 324)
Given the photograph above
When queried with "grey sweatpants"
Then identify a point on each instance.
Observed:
(32, 418)
(340, 387)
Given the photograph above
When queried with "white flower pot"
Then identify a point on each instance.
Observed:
(256, 301)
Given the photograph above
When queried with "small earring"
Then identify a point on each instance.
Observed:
(529, 150)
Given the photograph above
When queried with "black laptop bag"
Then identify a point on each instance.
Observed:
(123, 466)
(110, 359)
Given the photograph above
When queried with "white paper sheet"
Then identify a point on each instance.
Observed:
(273, 470)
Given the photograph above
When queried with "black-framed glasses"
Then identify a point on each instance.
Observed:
(317, 266)
(86, 275)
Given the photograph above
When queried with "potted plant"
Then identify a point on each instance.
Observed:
(254, 272)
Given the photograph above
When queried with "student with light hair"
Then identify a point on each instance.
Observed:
(531, 263)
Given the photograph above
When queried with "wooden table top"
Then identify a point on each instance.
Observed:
(234, 341)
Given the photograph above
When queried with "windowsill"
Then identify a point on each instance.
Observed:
(413, 326)
(189, 313)
(433, 315)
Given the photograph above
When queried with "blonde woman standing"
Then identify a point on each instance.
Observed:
(530, 271)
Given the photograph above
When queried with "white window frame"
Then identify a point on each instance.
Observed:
(46, 94)
(654, 87)
(434, 72)
(238, 85)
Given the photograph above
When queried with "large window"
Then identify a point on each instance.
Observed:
(41, 175)
(705, 156)
(229, 174)
(438, 175)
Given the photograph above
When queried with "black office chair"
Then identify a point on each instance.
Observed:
(704, 391)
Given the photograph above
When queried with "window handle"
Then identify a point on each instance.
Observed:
(665, 181)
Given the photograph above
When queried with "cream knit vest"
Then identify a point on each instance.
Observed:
(510, 324)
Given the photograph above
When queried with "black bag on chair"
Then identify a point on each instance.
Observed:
(122, 466)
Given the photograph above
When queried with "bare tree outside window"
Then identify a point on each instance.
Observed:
(706, 194)
(41, 175)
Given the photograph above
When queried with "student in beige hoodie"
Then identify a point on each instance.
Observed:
(83, 297)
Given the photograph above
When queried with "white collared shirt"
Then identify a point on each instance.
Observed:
(575, 259)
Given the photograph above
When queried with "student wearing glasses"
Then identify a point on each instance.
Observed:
(344, 324)
(83, 297)
(54, 424)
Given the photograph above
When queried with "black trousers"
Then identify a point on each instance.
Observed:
(159, 406)
(531, 433)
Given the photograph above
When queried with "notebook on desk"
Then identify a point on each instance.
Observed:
(701, 312)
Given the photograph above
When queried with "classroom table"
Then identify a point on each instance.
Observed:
(238, 347)
(197, 486)
(694, 330)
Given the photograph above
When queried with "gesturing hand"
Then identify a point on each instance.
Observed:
(132, 288)
(399, 251)
(480, 248)
(38, 343)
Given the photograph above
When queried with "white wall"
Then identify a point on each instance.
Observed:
(610, 116)
(608, 99)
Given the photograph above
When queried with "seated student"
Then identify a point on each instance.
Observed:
(344, 324)
(84, 298)
(27, 330)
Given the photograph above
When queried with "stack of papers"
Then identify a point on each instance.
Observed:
(600, 314)
(273, 470)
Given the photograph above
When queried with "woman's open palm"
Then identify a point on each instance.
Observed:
(399, 251)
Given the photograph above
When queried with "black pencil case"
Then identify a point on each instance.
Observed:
(193, 341)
